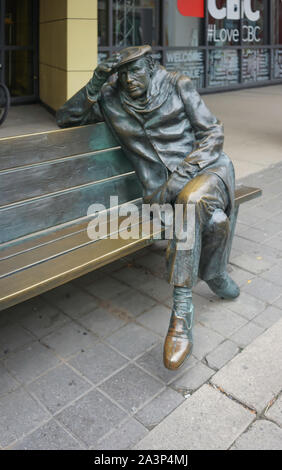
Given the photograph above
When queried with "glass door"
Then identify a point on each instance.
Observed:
(19, 48)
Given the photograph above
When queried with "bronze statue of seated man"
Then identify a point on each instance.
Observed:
(175, 145)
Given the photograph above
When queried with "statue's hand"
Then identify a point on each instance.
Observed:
(106, 68)
(101, 74)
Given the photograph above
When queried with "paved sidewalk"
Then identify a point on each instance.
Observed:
(81, 366)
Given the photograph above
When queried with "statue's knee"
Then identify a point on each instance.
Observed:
(219, 220)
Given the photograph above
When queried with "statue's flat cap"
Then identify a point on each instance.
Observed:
(130, 54)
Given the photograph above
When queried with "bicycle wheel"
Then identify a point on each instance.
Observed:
(4, 102)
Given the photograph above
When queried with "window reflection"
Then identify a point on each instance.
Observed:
(135, 22)
(224, 68)
(103, 27)
(277, 21)
(256, 32)
(223, 32)
(18, 22)
(19, 72)
(255, 66)
(181, 31)
(278, 63)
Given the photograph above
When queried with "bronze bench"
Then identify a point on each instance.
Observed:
(48, 181)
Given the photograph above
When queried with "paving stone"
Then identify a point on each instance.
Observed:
(91, 417)
(193, 379)
(246, 305)
(262, 435)
(203, 290)
(246, 246)
(201, 304)
(132, 340)
(152, 361)
(240, 276)
(131, 388)
(155, 263)
(13, 337)
(259, 369)
(222, 354)
(241, 228)
(160, 246)
(250, 217)
(274, 275)
(106, 288)
(30, 362)
(41, 318)
(19, 414)
(98, 362)
(70, 339)
(257, 234)
(161, 406)
(278, 302)
(246, 334)
(71, 299)
(116, 265)
(134, 276)
(263, 290)
(51, 436)
(101, 322)
(156, 319)
(158, 289)
(207, 420)
(271, 205)
(275, 411)
(275, 242)
(7, 382)
(252, 263)
(90, 277)
(221, 320)
(234, 253)
(124, 437)
(35, 304)
(267, 318)
(132, 302)
(205, 341)
(58, 387)
(9, 316)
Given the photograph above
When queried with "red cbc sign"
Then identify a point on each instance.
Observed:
(191, 8)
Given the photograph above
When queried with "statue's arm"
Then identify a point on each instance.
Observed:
(80, 110)
(208, 145)
(208, 130)
(83, 108)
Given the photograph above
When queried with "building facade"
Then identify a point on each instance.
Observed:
(49, 48)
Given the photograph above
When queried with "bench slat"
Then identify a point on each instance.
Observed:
(246, 193)
(51, 145)
(45, 276)
(39, 214)
(29, 182)
(57, 247)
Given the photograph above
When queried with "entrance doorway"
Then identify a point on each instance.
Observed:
(19, 49)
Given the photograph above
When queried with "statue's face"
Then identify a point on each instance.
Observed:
(135, 77)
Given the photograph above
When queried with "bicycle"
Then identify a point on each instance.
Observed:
(4, 102)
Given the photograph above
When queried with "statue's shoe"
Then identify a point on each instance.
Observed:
(223, 286)
(179, 341)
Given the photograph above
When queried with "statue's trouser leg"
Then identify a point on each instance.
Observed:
(199, 247)
(203, 248)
